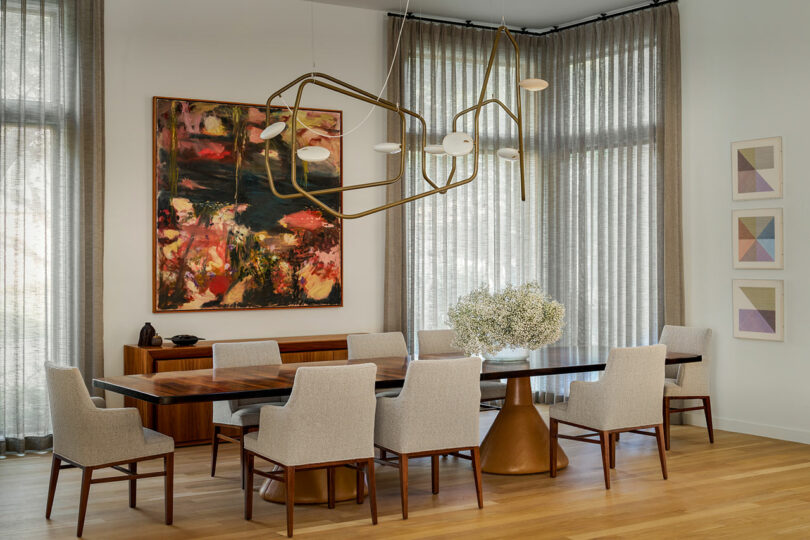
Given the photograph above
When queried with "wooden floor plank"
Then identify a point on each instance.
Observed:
(742, 486)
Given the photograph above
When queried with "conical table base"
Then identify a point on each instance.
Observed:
(310, 487)
(518, 441)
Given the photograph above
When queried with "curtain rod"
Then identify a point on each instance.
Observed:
(470, 24)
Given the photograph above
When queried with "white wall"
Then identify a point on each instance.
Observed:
(240, 50)
(746, 76)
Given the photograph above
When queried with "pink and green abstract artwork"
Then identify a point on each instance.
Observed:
(222, 240)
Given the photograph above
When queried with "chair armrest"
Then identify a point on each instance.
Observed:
(274, 420)
(116, 426)
(587, 400)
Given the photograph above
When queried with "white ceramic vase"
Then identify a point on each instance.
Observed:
(508, 355)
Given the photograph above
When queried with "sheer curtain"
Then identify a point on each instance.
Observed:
(602, 147)
(51, 205)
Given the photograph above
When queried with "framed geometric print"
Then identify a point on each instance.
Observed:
(758, 306)
(758, 239)
(757, 169)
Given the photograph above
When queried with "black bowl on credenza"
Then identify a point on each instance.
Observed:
(184, 340)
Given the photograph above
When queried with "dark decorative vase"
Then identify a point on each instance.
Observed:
(147, 333)
(157, 341)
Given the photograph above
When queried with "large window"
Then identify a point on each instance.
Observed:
(43, 206)
(590, 230)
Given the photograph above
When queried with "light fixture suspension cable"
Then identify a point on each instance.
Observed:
(371, 109)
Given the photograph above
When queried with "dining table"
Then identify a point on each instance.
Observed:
(516, 443)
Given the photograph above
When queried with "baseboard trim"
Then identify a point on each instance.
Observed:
(750, 428)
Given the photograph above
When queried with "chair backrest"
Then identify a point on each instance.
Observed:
(438, 342)
(335, 406)
(70, 407)
(693, 377)
(634, 379)
(442, 400)
(363, 346)
(244, 354)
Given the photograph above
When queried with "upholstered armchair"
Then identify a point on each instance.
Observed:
(362, 346)
(239, 416)
(90, 438)
(689, 381)
(626, 398)
(436, 413)
(442, 342)
(328, 422)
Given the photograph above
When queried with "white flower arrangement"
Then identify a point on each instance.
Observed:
(517, 317)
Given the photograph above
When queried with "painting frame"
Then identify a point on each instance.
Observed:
(759, 246)
(752, 295)
(156, 308)
(751, 176)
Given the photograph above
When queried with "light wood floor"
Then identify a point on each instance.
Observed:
(742, 486)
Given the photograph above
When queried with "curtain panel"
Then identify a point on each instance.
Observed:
(51, 209)
(600, 227)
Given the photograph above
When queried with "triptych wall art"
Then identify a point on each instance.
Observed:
(222, 240)
(758, 242)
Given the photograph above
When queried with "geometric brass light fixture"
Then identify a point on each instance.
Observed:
(455, 145)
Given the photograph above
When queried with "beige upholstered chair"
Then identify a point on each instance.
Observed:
(441, 342)
(436, 413)
(363, 346)
(238, 416)
(688, 381)
(327, 422)
(92, 438)
(626, 398)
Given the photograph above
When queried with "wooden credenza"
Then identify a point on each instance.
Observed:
(190, 423)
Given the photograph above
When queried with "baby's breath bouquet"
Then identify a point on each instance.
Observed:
(522, 317)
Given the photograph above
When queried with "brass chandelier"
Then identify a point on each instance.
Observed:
(455, 144)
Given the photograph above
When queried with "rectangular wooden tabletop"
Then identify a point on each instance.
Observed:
(172, 387)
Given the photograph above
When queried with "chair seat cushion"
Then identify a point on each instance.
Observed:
(249, 415)
(492, 390)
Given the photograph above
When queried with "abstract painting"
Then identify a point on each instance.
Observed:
(758, 239)
(222, 240)
(757, 169)
(759, 309)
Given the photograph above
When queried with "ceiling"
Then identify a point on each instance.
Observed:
(534, 14)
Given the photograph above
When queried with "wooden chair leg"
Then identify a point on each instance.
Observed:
(613, 437)
(372, 490)
(662, 454)
(434, 473)
(360, 485)
(707, 409)
(133, 469)
(168, 487)
(617, 436)
(249, 492)
(330, 486)
(476, 463)
(289, 477)
(403, 483)
(242, 454)
(604, 444)
(554, 426)
(666, 422)
(87, 474)
(55, 463)
(383, 454)
(214, 449)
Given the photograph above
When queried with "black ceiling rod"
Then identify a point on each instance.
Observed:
(469, 24)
